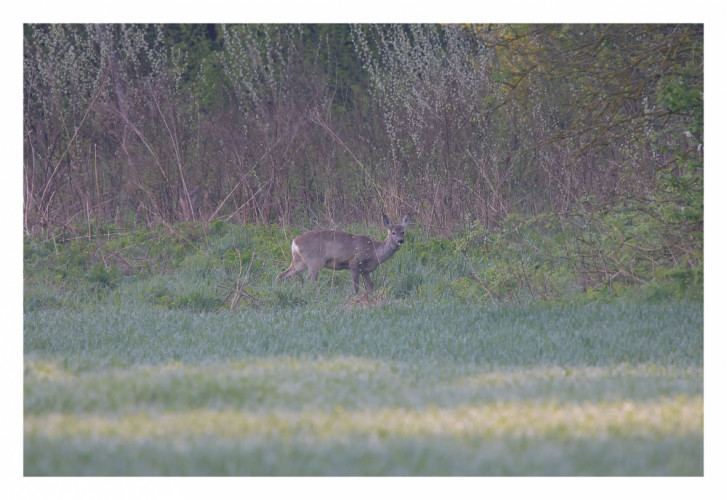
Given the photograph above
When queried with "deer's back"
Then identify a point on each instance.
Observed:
(337, 249)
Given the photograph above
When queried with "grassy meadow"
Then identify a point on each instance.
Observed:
(175, 352)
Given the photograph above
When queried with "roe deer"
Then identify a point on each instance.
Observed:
(337, 250)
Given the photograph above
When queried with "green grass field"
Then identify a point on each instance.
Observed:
(150, 373)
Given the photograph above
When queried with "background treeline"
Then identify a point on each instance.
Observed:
(464, 126)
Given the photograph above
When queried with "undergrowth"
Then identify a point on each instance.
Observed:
(224, 266)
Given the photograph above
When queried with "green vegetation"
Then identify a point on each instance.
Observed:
(173, 351)
(544, 316)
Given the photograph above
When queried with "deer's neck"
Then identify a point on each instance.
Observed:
(386, 249)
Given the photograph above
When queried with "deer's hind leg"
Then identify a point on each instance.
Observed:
(297, 265)
(313, 269)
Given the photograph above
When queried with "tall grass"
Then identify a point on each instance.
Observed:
(148, 371)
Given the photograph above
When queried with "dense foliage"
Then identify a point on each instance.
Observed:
(592, 130)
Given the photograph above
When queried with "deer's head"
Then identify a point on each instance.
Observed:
(396, 232)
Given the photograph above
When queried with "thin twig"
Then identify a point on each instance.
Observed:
(493, 296)
(239, 290)
(68, 146)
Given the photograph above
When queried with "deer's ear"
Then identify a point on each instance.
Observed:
(405, 220)
(387, 221)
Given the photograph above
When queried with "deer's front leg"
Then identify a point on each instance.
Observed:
(354, 277)
(367, 282)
